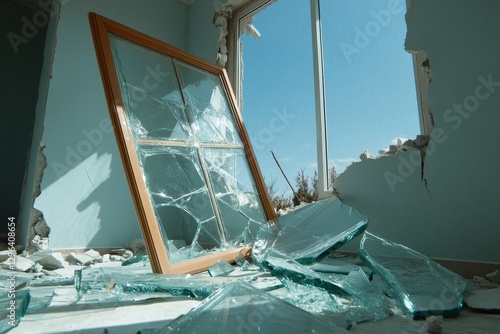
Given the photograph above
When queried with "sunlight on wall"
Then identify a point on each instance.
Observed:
(62, 200)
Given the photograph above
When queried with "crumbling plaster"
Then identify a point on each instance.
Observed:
(456, 217)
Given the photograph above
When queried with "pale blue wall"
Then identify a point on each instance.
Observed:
(203, 36)
(85, 197)
(459, 217)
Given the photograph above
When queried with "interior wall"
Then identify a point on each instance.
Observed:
(203, 35)
(84, 195)
(454, 216)
(22, 56)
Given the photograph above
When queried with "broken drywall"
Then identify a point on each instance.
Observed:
(38, 230)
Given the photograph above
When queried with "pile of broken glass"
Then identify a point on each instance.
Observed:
(300, 284)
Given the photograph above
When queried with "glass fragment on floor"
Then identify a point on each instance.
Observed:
(241, 308)
(421, 286)
(220, 268)
(309, 233)
(13, 306)
(116, 282)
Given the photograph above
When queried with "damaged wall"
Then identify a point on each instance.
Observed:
(456, 217)
(22, 60)
(85, 197)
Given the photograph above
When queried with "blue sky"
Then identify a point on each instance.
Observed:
(369, 80)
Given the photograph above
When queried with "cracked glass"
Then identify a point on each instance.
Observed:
(421, 286)
(192, 174)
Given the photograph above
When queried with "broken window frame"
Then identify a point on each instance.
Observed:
(235, 69)
(101, 27)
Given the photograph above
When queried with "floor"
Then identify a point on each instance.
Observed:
(146, 313)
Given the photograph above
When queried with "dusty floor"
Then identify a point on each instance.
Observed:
(150, 312)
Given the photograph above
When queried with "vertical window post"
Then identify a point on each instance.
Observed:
(319, 88)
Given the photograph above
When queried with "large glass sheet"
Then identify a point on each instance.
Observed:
(422, 287)
(180, 198)
(240, 308)
(309, 233)
(205, 95)
(367, 302)
(150, 91)
(237, 195)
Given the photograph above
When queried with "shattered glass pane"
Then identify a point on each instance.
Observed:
(237, 195)
(205, 95)
(181, 200)
(150, 92)
(13, 306)
(309, 233)
(365, 302)
(192, 157)
(241, 308)
(220, 268)
(422, 287)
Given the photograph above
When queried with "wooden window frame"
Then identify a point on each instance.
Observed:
(160, 263)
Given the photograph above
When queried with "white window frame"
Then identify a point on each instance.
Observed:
(235, 71)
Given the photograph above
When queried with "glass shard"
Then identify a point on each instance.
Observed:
(20, 281)
(296, 272)
(484, 300)
(118, 282)
(13, 306)
(220, 268)
(368, 303)
(339, 266)
(241, 308)
(308, 234)
(40, 298)
(421, 286)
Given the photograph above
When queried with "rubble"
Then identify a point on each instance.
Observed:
(137, 247)
(434, 324)
(485, 300)
(4, 255)
(18, 263)
(124, 253)
(87, 258)
(49, 260)
(494, 277)
(39, 243)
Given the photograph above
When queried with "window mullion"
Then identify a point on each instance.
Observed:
(320, 99)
